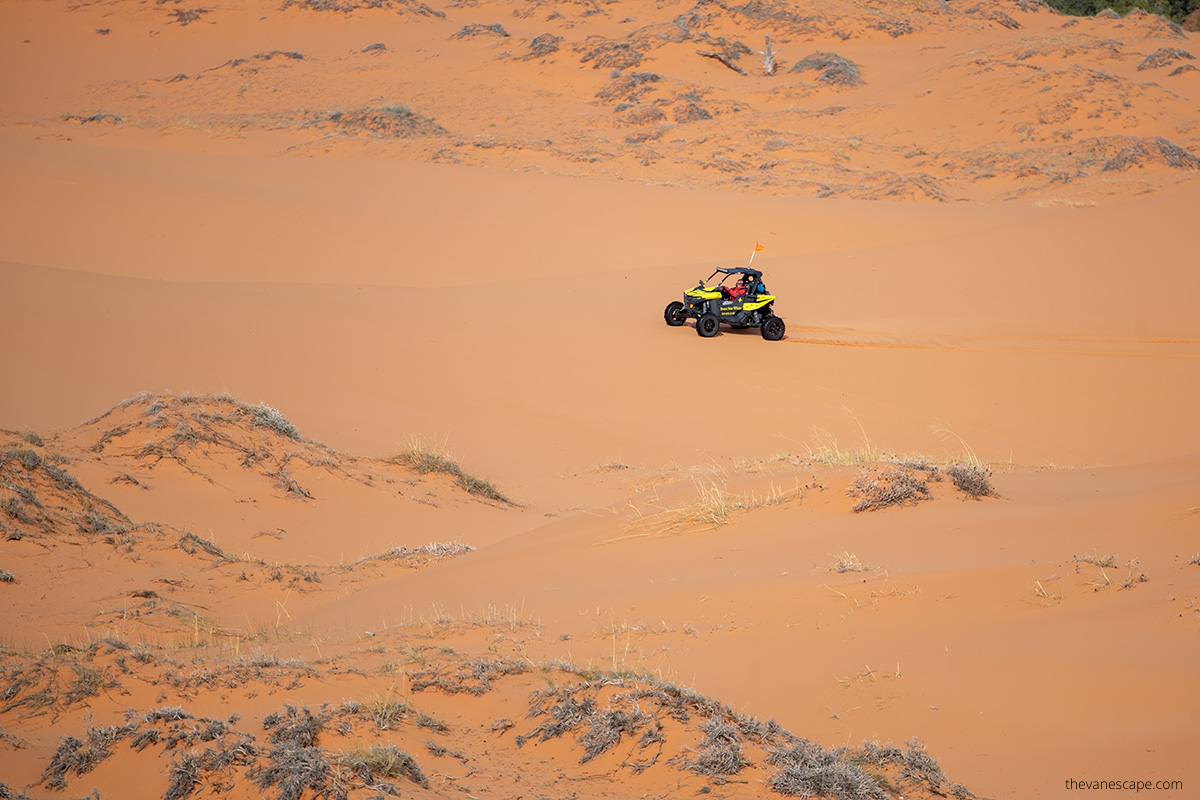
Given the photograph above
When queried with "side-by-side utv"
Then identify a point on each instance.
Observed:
(739, 299)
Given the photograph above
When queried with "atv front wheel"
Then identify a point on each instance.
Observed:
(675, 315)
(708, 324)
(772, 329)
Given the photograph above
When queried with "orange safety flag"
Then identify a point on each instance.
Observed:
(757, 247)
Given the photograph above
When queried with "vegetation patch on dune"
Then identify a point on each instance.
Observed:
(906, 482)
(714, 507)
(37, 496)
(406, 7)
(832, 69)
(423, 457)
(603, 713)
(391, 121)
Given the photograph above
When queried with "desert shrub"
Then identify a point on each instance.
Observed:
(835, 70)
(88, 682)
(880, 488)
(1109, 561)
(167, 714)
(30, 436)
(265, 416)
(472, 677)
(1155, 150)
(29, 459)
(6, 577)
(294, 727)
(1164, 57)
(294, 770)
(94, 522)
(295, 763)
(566, 712)
(808, 770)
(918, 462)
(720, 752)
(974, 479)
(79, 757)
(430, 723)
(614, 55)
(605, 729)
(544, 45)
(495, 29)
(12, 507)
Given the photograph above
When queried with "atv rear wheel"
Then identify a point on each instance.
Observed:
(675, 315)
(772, 329)
(708, 324)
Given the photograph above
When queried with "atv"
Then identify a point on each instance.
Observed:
(743, 303)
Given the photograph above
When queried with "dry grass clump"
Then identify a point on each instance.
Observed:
(387, 713)
(285, 483)
(384, 761)
(973, 479)
(905, 480)
(191, 544)
(720, 752)
(425, 458)
(888, 486)
(417, 556)
(828, 451)
(848, 562)
(266, 417)
(808, 770)
(1163, 57)
(75, 756)
(476, 29)
(916, 766)
(472, 677)
(712, 509)
(1107, 561)
(543, 45)
(30, 436)
(295, 763)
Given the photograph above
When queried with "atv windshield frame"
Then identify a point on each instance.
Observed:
(728, 272)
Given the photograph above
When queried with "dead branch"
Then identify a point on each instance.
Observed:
(724, 59)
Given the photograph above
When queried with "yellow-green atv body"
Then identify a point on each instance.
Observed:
(743, 303)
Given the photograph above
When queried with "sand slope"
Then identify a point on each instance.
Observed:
(248, 260)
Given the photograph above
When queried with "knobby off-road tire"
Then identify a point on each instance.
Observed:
(772, 329)
(675, 315)
(707, 325)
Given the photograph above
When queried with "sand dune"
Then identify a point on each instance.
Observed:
(345, 452)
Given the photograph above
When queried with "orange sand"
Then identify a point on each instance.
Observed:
(982, 254)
